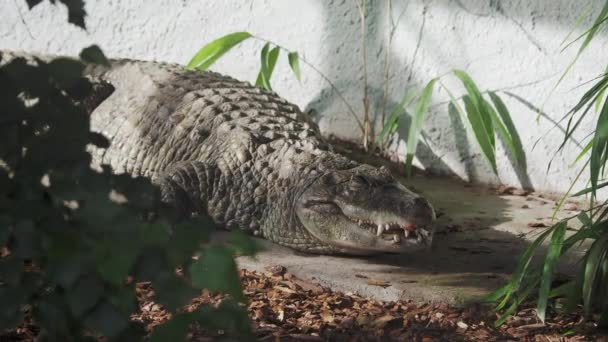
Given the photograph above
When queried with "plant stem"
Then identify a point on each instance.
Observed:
(387, 63)
(325, 78)
(362, 7)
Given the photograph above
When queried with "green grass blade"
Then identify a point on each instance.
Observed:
(393, 118)
(294, 63)
(211, 52)
(553, 254)
(422, 108)
(479, 117)
(595, 257)
(514, 142)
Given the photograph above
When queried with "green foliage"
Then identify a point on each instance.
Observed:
(268, 61)
(78, 239)
(294, 63)
(590, 285)
(484, 120)
(416, 125)
(211, 52)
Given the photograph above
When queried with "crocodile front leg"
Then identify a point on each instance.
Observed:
(187, 186)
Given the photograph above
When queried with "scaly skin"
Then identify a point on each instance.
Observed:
(249, 159)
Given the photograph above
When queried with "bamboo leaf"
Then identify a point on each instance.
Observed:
(583, 152)
(211, 52)
(416, 126)
(590, 33)
(522, 265)
(393, 118)
(578, 21)
(481, 134)
(294, 63)
(553, 254)
(593, 261)
(598, 150)
(590, 189)
(508, 131)
(600, 97)
(262, 80)
(495, 295)
(479, 117)
(511, 310)
(269, 60)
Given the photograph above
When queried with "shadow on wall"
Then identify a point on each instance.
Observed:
(343, 22)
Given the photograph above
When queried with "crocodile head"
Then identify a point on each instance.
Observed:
(364, 210)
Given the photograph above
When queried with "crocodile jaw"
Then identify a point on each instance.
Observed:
(365, 211)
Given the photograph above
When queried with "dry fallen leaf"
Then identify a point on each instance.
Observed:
(327, 317)
(285, 289)
(382, 321)
(462, 325)
(378, 282)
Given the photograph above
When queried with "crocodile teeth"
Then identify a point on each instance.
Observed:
(396, 238)
(360, 222)
(380, 229)
(406, 233)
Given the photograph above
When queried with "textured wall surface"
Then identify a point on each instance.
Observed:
(512, 47)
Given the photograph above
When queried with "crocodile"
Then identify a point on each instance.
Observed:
(250, 160)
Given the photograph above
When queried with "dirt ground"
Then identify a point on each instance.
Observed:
(285, 308)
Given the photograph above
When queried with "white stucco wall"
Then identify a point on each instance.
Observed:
(504, 45)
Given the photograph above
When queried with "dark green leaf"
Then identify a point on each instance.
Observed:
(243, 244)
(76, 12)
(216, 270)
(107, 319)
(84, 295)
(94, 55)
(175, 329)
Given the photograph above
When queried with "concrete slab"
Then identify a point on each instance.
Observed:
(480, 236)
